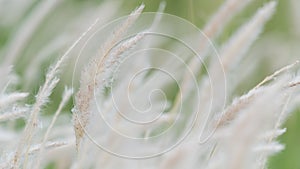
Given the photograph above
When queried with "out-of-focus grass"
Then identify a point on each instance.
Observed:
(198, 12)
(289, 158)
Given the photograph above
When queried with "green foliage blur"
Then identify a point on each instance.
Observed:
(198, 12)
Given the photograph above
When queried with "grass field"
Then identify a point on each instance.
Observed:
(44, 87)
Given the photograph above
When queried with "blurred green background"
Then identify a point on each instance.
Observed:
(197, 12)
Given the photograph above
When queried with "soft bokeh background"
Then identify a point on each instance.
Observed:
(279, 40)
